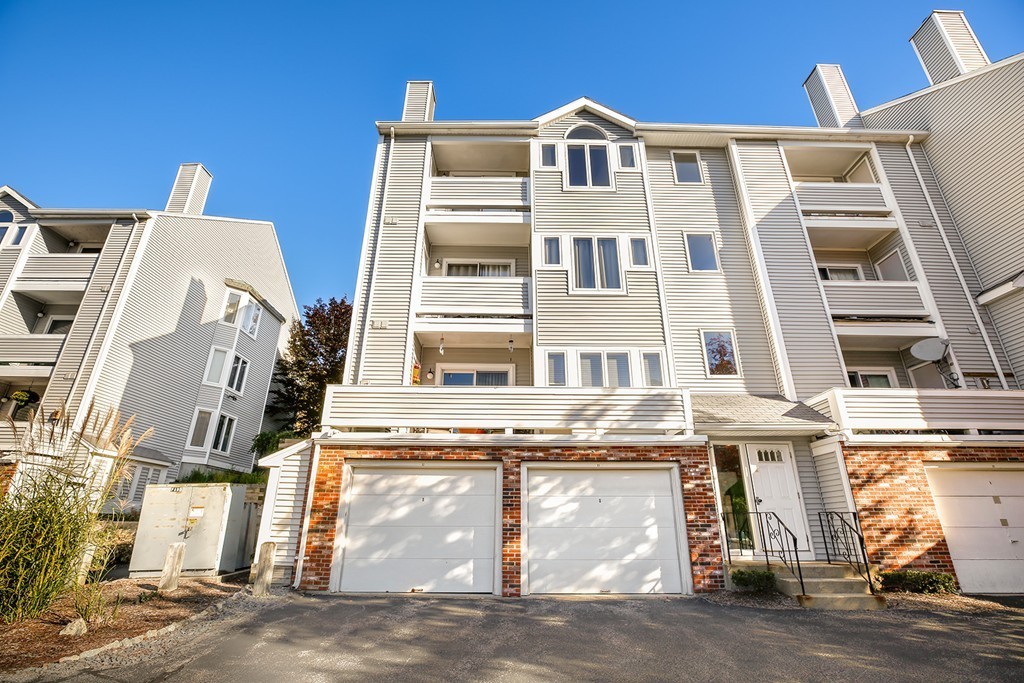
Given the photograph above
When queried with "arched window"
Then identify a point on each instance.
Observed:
(6, 217)
(588, 162)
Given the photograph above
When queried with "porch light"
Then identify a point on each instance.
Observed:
(511, 345)
(437, 264)
(440, 349)
(430, 373)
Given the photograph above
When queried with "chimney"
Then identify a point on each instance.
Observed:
(947, 47)
(419, 101)
(190, 190)
(831, 98)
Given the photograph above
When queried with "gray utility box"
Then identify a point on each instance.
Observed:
(212, 520)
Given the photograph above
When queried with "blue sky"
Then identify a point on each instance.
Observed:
(278, 100)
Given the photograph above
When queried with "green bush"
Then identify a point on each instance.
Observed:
(223, 477)
(913, 581)
(754, 580)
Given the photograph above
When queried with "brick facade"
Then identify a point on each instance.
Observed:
(695, 474)
(7, 472)
(898, 515)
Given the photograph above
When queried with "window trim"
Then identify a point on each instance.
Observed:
(888, 371)
(511, 263)
(700, 167)
(50, 318)
(895, 251)
(635, 168)
(647, 249)
(604, 366)
(565, 358)
(584, 124)
(610, 187)
(543, 253)
(228, 291)
(540, 156)
(640, 353)
(245, 377)
(243, 324)
(192, 428)
(596, 289)
(11, 230)
(714, 246)
(441, 368)
(221, 382)
(231, 437)
(840, 266)
(735, 352)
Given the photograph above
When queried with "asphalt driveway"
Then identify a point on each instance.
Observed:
(334, 638)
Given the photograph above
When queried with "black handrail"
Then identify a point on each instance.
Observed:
(845, 542)
(776, 540)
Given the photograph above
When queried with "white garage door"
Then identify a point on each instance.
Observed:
(601, 531)
(982, 515)
(420, 529)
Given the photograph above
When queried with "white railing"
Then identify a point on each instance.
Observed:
(479, 192)
(30, 348)
(879, 410)
(59, 267)
(874, 298)
(651, 410)
(475, 295)
(841, 197)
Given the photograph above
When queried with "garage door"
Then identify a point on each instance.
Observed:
(420, 529)
(601, 531)
(982, 515)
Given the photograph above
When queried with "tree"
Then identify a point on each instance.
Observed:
(314, 359)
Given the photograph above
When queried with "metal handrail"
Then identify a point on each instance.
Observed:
(844, 541)
(776, 540)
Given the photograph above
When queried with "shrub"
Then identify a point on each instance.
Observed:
(223, 477)
(754, 580)
(913, 581)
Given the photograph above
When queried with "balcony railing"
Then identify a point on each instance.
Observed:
(475, 295)
(875, 298)
(41, 349)
(66, 267)
(647, 410)
(479, 192)
(882, 410)
(841, 198)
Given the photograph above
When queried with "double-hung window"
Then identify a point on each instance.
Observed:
(236, 378)
(200, 429)
(604, 369)
(596, 263)
(588, 161)
(215, 367)
(473, 377)
(839, 273)
(872, 377)
(478, 269)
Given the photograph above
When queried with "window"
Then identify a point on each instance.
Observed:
(19, 234)
(6, 217)
(556, 369)
(596, 268)
(650, 364)
(236, 379)
(890, 267)
(200, 428)
(215, 368)
(627, 156)
(687, 167)
(251, 323)
(225, 430)
(701, 253)
(547, 156)
(604, 369)
(552, 251)
(840, 273)
(478, 269)
(638, 251)
(59, 325)
(231, 307)
(588, 163)
(872, 377)
(585, 133)
(478, 377)
(720, 354)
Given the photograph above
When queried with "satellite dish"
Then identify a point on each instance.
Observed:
(929, 349)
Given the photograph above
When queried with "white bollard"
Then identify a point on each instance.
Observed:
(172, 568)
(264, 570)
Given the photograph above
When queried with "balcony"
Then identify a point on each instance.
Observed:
(28, 356)
(507, 296)
(841, 198)
(882, 410)
(477, 193)
(560, 409)
(56, 272)
(875, 298)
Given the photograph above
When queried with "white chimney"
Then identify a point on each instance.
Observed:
(831, 98)
(947, 47)
(419, 101)
(191, 187)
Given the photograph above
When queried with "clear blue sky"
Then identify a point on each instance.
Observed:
(103, 100)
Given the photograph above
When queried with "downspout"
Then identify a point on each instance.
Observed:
(956, 267)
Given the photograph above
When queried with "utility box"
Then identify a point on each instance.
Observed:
(212, 520)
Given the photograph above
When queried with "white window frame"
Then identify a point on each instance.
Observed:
(647, 248)
(543, 253)
(441, 368)
(640, 353)
(841, 266)
(894, 252)
(242, 301)
(540, 156)
(49, 319)
(700, 167)
(227, 374)
(566, 356)
(511, 263)
(612, 161)
(596, 289)
(224, 370)
(7, 242)
(192, 428)
(735, 352)
(630, 360)
(250, 306)
(635, 168)
(888, 371)
(714, 246)
(231, 437)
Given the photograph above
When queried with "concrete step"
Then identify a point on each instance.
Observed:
(790, 585)
(813, 570)
(845, 602)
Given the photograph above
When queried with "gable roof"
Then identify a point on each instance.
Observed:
(20, 198)
(591, 106)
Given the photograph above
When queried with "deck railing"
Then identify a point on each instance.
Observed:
(59, 267)
(480, 295)
(875, 298)
(841, 198)
(479, 192)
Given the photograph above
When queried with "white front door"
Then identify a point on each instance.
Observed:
(775, 488)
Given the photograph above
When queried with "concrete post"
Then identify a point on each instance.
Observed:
(172, 568)
(264, 570)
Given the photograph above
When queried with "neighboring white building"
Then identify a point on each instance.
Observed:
(594, 354)
(170, 316)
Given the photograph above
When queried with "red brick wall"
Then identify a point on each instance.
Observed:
(898, 516)
(695, 474)
(7, 471)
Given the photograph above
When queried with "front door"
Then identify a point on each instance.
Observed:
(774, 487)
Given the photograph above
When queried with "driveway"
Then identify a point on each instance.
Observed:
(334, 638)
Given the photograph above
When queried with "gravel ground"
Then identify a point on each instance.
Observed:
(941, 603)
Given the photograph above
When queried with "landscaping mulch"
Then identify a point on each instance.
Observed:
(38, 641)
(946, 602)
